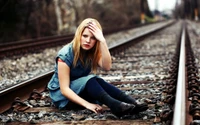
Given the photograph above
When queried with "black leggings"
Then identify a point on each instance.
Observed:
(94, 87)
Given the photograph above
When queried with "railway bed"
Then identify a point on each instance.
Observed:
(14, 69)
(150, 70)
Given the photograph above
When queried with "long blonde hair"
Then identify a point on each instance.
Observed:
(93, 55)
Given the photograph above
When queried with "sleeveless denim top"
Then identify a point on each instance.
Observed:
(79, 76)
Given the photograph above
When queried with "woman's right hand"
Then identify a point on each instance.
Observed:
(94, 107)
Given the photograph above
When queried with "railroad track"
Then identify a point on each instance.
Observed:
(36, 45)
(148, 68)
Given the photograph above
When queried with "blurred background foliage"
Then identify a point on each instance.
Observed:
(28, 19)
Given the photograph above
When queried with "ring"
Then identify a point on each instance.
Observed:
(96, 108)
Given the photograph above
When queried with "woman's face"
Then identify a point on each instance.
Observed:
(87, 39)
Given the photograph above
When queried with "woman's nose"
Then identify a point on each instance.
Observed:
(88, 40)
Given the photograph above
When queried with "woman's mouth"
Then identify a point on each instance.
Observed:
(86, 45)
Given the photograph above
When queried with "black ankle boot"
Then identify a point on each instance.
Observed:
(128, 99)
(124, 109)
(117, 107)
(141, 107)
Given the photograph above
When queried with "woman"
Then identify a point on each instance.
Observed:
(74, 81)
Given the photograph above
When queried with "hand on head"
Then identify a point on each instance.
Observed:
(94, 29)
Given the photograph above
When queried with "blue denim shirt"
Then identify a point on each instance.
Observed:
(79, 76)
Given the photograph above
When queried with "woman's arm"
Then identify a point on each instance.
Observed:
(105, 61)
(64, 80)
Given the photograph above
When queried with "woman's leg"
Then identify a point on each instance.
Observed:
(120, 95)
(84, 94)
(96, 91)
(71, 105)
(115, 92)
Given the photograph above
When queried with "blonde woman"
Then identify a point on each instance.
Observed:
(75, 82)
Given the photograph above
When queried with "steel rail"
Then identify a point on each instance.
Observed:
(31, 45)
(69, 36)
(40, 82)
(23, 46)
(33, 40)
(124, 44)
(179, 108)
(23, 90)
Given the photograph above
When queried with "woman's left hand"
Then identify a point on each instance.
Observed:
(96, 31)
(94, 107)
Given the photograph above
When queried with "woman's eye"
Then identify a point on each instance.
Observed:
(93, 38)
